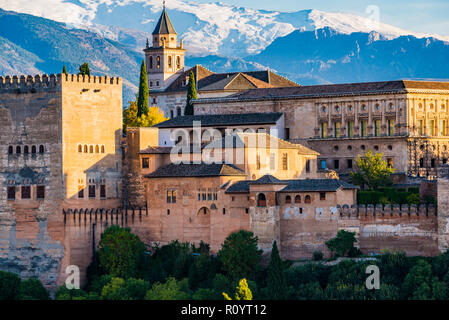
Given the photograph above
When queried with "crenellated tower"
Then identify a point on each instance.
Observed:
(165, 58)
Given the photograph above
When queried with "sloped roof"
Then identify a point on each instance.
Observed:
(239, 187)
(267, 179)
(156, 150)
(196, 170)
(210, 81)
(329, 185)
(164, 25)
(345, 89)
(222, 120)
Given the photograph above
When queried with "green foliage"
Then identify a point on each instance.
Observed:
(121, 253)
(191, 94)
(242, 292)
(144, 92)
(371, 171)
(62, 293)
(84, 69)
(240, 254)
(9, 285)
(32, 289)
(206, 294)
(115, 290)
(386, 195)
(277, 287)
(413, 199)
(170, 290)
(64, 70)
(343, 243)
(317, 256)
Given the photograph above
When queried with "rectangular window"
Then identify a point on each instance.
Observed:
(204, 195)
(287, 133)
(80, 192)
(390, 123)
(443, 127)
(444, 160)
(336, 164)
(103, 191)
(363, 128)
(92, 191)
(349, 163)
(420, 127)
(258, 162)
(26, 192)
(377, 128)
(432, 163)
(284, 161)
(323, 164)
(322, 195)
(171, 196)
(272, 161)
(337, 126)
(390, 162)
(421, 162)
(432, 127)
(209, 195)
(40, 192)
(145, 163)
(323, 129)
(199, 195)
(11, 193)
(350, 129)
(308, 165)
(215, 194)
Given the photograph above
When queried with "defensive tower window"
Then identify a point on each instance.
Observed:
(261, 200)
(33, 149)
(40, 192)
(18, 150)
(11, 193)
(10, 150)
(26, 192)
(41, 149)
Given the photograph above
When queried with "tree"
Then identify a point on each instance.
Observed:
(64, 70)
(153, 117)
(170, 290)
(343, 243)
(121, 253)
(277, 287)
(240, 254)
(191, 94)
(144, 92)
(9, 285)
(84, 69)
(242, 292)
(372, 171)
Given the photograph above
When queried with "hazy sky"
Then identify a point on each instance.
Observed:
(430, 16)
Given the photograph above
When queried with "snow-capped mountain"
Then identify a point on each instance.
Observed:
(207, 28)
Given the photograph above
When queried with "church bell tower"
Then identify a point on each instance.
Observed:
(165, 58)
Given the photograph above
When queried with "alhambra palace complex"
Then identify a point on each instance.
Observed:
(67, 171)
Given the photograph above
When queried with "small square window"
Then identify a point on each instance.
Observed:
(322, 195)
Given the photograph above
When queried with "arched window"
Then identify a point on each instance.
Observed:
(10, 150)
(91, 149)
(261, 200)
(298, 199)
(169, 62)
(158, 59)
(178, 112)
(33, 149)
(26, 150)
(102, 149)
(85, 148)
(151, 62)
(80, 148)
(307, 199)
(18, 150)
(97, 149)
(178, 62)
(288, 199)
(41, 149)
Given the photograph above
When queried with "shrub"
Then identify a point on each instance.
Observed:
(413, 198)
(170, 290)
(9, 285)
(342, 243)
(32, 289)
(317, 256)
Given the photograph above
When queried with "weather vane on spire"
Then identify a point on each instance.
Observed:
(163, 3)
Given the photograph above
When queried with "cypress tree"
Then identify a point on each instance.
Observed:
(144, 92)
(64, 70)
(191, 94)
(276, 284)
(84, 69)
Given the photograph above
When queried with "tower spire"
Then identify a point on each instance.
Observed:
(163, 3)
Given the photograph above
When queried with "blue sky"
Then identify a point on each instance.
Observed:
(430, 16)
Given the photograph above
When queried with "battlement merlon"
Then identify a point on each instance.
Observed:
(53, 81)
(387, 211)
